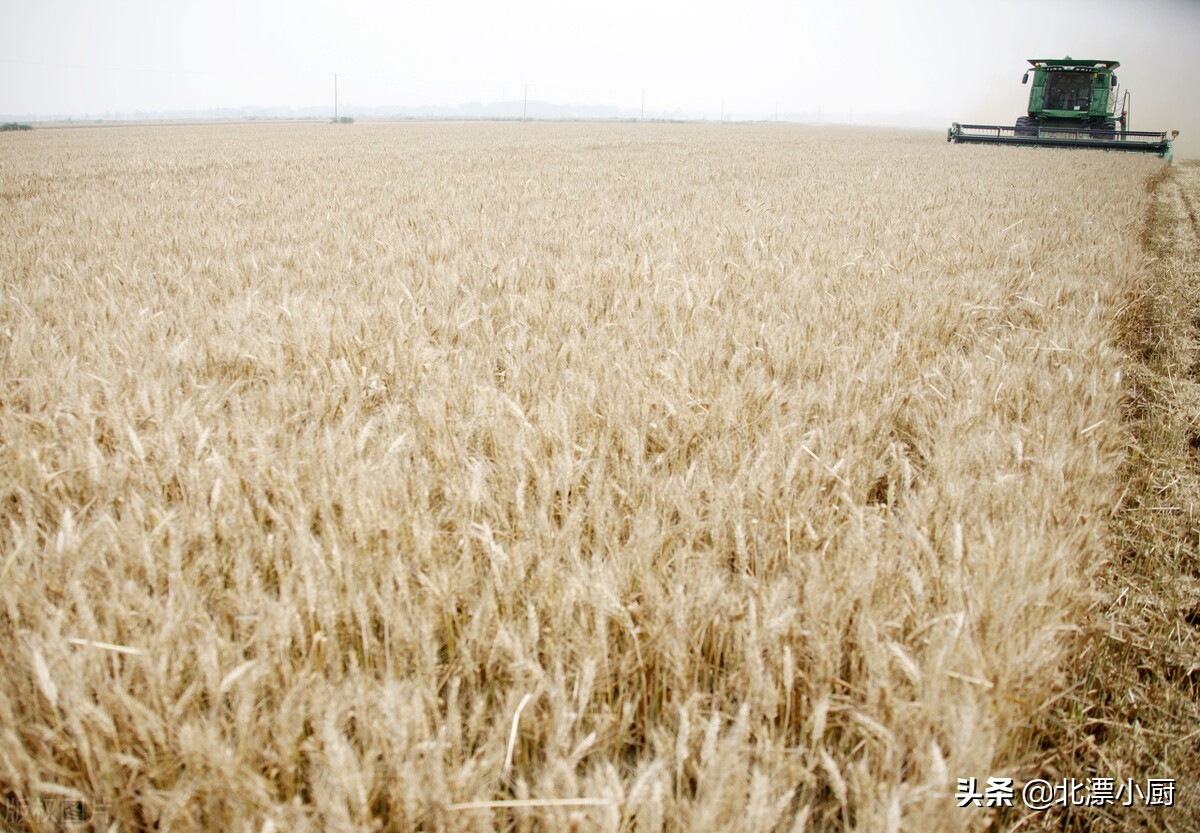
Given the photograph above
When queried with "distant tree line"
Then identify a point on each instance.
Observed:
(15, 125)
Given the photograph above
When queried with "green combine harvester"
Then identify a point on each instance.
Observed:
(1073, 104)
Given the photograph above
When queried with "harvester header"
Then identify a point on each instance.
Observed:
(1073, 103)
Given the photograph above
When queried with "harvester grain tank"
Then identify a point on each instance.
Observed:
(1074, 104)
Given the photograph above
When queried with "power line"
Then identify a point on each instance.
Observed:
(572, 95)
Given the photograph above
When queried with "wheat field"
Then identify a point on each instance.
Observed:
(635, 477)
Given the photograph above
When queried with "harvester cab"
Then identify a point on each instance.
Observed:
(1072, 103)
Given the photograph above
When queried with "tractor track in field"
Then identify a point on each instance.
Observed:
(1133, 707)
(1189, 199)
(1183, 185)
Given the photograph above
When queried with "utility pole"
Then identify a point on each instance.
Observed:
(722, 108)
(525, 106)
(335, 109)
(643, 116)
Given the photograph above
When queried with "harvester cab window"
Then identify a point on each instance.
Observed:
(1068, 91)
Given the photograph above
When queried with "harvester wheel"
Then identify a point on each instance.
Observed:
(1108, 128)
(1026, 126)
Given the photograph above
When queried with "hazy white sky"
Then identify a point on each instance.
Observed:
(939, 59)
